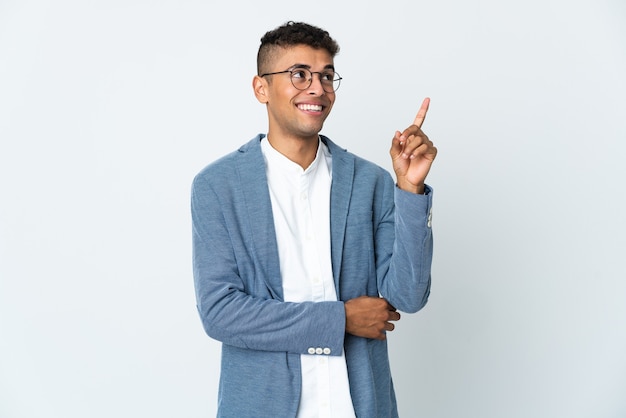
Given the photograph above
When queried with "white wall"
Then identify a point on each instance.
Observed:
(109, 108)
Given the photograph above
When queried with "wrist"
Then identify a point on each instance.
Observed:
(410, 187)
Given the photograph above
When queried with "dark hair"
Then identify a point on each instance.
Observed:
(292, 34)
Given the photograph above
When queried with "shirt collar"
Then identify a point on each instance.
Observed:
(278, 161)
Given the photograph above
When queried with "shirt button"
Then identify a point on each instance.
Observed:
(319, 350)
(326, 350)
(311, 350)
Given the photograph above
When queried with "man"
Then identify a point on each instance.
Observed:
(305, 253)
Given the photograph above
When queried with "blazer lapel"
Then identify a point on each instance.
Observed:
(340, 193)
(258, 205)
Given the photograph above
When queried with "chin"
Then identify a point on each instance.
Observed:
(315, 130)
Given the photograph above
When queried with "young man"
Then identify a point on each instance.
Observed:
(304, 253)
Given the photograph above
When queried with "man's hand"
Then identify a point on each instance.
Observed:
(412, 154)
(369, 317)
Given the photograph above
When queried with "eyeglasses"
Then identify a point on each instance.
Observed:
(302, 78)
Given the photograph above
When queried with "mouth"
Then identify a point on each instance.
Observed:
(310, 107)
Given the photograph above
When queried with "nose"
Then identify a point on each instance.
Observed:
(316, 85)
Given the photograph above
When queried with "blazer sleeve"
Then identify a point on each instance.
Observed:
(404, 248)
(235, 303)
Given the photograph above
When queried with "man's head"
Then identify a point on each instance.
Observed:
(289, 35)
(296, 79)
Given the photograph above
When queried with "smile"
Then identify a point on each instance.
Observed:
(310, 107)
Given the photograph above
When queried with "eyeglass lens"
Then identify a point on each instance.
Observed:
(302, 78)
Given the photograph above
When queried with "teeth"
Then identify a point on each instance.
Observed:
(316, 108)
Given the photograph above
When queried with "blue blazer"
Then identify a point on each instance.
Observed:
(381, 245)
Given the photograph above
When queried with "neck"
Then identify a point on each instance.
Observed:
(300, 151)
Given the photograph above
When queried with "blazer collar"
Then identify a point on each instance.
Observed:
(340, 194)
(259, 209)
(253, 181)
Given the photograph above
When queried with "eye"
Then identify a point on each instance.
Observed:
(328, 76)
(299, 73)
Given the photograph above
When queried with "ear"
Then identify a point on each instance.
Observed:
(260, 87)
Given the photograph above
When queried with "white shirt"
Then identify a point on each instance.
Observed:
(301, 209)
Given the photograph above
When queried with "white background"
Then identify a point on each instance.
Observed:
(109, 108)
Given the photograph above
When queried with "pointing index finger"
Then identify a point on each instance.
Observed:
(421, 114)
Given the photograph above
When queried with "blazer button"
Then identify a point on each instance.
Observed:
(326, 350)
(319, 350)
(311, 350)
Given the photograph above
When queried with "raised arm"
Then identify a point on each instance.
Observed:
(412, 154)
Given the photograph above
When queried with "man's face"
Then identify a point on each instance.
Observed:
(294, 113)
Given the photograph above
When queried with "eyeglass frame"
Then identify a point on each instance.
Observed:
(321, 73)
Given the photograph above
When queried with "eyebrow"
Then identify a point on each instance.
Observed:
(308, 67)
